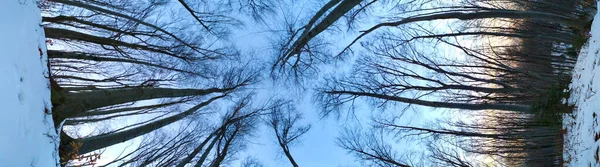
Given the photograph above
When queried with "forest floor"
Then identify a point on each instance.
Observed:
(28, 137)
(582, 145)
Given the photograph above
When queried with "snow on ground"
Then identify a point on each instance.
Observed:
(27, 134)
(581, 141)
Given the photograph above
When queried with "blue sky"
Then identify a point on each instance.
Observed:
(318, 147)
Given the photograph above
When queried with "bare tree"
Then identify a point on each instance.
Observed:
(298, 43)
(284, 122)
(113, 50)
(162, 149)
(229, 137)
(510, 138)
(105, 140)
(291, 56)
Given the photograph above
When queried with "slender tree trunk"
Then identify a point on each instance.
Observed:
(64, 19)
(126, 109)
(467, 106)
(91, 57)
(207, 151)
(484, 33)
(102, 141)
(287, 153)
(217, 162)
(197, 150)
(102, 10)
(92, 120)
(58, 33)
(455, 133)
(311, 32)
(510, 14)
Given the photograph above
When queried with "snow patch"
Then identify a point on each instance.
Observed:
(28, 134)
(582, 144)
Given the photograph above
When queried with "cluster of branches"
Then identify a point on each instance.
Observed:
(519, 51)
(517, 141)
(216, 145)
(491, 76)
(195, 142)
(491, 140)
(115, 59)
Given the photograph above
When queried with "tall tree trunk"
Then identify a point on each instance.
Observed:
(217, 162)
(207, 151)
(486, 14)
(127, 109)
(456, 133)
(59, 33)
(197, 150)
(467, 106)
(61, 19)
(102, 141)
(98, 58)
(311, 32)
(76, 103)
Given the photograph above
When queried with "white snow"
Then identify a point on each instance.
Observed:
(581, 141)
(27, 134)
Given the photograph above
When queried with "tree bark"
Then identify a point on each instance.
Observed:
(76, 103)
